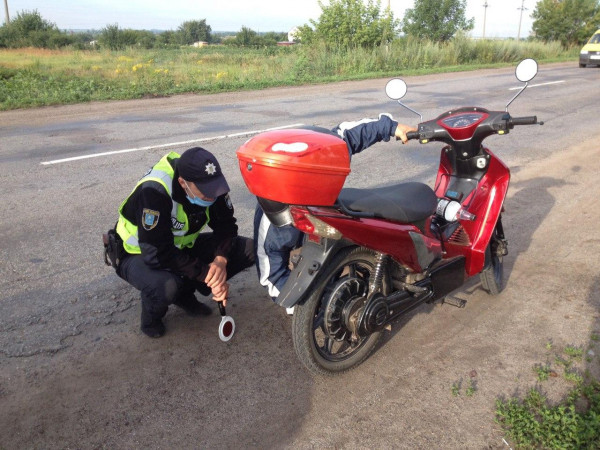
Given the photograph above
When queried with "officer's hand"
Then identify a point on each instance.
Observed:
(401, 131)
(220, 293)
(217, 272)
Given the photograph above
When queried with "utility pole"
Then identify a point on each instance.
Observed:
(389, 13)
(485, 7)
(6, 11)
(522, 8)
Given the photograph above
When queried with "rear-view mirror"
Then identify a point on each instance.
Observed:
(396, 89)
(526, 70)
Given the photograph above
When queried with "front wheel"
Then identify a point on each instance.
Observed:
(324, 327)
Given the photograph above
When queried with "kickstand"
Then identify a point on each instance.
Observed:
(454, 301)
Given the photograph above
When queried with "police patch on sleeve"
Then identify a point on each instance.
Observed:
(149, 219)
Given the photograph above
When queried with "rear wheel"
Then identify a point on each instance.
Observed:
(324, 328)
(492, 277)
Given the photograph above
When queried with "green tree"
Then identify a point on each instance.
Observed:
(129, 37)
(144, 38)
(29, 29)
(351, 23)
(568, 21)
(81, 40)
(111, 37)
(167, 39)
(115, 38)
(246, 37)
(272, 38)
(194, 31)
(437, 20)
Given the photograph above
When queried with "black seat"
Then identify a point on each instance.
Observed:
(406, 202)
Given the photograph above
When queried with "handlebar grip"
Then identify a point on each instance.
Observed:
(528, 120)
(412, 135)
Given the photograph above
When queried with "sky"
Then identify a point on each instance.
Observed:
(501, 16)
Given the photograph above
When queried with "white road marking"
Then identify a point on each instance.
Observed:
(536, 85)
(174, 144)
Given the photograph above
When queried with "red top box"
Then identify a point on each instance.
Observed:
(295, 166)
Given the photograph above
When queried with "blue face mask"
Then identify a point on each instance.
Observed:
(199, 201)
(196, 200)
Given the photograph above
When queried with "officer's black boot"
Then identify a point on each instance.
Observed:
(151, 326)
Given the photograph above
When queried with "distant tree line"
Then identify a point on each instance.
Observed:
(357, 23)
(342, 23)
(29, 29)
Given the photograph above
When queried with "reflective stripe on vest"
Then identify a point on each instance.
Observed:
(162, 173)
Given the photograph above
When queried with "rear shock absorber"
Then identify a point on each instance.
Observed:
(380, 262)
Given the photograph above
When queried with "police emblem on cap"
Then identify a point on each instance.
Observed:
(149, 219)
(211, 169)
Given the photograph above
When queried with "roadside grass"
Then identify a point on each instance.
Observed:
(533, 423)
(36, 77)
(30, 77)
(572, 423)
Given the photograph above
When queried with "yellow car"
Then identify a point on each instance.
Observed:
(590, 53)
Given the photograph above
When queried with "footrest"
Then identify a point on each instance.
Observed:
(454, 301)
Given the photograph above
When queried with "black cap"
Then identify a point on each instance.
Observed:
(202, 168)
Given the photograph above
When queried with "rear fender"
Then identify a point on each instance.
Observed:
(313, 258)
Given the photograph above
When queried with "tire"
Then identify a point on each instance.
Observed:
(581, 66)
(492, 277)
(322, 339)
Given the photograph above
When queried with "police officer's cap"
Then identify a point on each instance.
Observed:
(202, 168)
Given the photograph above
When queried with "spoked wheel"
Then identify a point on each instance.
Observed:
(325, 327)
(492, 277)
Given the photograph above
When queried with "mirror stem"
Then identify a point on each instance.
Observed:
(515, 97)
(411, 110)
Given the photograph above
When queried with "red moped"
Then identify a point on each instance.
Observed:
(371, 255)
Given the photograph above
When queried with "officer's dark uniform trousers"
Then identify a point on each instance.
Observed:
(159, 288)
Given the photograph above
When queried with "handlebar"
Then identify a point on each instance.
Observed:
(528, 120)
(499, 122)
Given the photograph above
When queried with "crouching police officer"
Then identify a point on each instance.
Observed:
(158, 246)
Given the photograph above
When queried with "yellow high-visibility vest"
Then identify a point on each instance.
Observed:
(162, 173)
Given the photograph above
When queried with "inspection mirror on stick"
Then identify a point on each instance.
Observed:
(227, 325)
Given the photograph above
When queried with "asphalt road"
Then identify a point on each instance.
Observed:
(69, 326)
